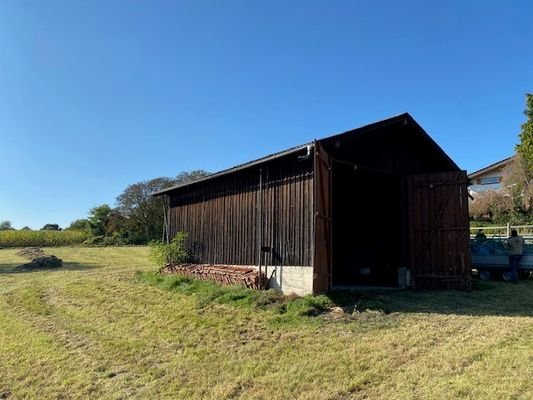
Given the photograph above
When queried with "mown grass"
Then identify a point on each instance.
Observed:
(12, 238)
(105, 326)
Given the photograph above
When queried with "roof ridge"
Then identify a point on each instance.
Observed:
(362, 128)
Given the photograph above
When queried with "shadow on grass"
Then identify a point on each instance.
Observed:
(485, 299)
(10, 269)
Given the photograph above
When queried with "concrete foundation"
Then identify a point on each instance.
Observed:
(291, 279)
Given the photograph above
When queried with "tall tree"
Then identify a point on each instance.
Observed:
(144, 213)
(525, 147)
(519, 175)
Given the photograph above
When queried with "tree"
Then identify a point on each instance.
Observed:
(184, 177)
(525, 147)
(518, 176)
(51, 227)
(514, 202)
(80, 225)
(518, 186)
(117, 224)
(6, 226)
(98, 219)
(25, 228)
(143, 212)
(491, 205)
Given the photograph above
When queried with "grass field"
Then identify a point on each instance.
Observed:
(98, 329)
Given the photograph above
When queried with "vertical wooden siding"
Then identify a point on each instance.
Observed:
(222, 220)
(322, 278)
(439, 230)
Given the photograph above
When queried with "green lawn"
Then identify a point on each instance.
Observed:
(97, 329)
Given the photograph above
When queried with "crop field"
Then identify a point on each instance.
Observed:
(12, 238)
(105, 326)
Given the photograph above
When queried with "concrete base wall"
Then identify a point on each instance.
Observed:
(291, 280)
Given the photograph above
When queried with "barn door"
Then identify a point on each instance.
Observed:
(322, 216)
(439, 230)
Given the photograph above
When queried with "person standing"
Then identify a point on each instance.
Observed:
(480, 236)
(515, 246)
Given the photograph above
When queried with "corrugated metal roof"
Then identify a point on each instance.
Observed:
(237, 168)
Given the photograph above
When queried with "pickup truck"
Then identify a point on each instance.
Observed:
(490, 259)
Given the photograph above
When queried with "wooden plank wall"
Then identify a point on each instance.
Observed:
(439, 231)
(221, 215)
(322, 280)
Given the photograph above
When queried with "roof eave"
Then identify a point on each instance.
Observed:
(491, 167)
(237, 168)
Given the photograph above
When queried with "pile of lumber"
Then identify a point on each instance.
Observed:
(224, 274)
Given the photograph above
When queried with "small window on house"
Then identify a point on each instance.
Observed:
(489, 181)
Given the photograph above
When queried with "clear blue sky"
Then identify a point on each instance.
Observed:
(95, 95)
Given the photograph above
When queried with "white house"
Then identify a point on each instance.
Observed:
(488, 178)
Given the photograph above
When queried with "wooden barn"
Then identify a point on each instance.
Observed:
(380, 205)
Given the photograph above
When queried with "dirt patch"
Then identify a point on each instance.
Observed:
(335, 313)
(39, 260)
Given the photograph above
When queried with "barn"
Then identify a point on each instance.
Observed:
(380, 205)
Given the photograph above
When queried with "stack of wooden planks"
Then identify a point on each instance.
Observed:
(224, 274)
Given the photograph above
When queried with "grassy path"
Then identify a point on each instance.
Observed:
(92, 330)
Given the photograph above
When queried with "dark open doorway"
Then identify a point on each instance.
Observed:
(368, 227)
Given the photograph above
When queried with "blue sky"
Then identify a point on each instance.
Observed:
(95, 95)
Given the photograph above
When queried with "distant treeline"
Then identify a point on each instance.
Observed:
(137, 218)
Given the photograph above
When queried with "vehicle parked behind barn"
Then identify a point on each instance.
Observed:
(489, 256)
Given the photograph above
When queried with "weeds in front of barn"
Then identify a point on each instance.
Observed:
(286, 309)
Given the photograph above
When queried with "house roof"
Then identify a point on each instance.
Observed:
(404, 118)
(491, 167)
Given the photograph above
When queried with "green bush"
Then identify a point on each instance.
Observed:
(306, 306)
(28, 238)
(115, 240)
(172, 253)
(94, 241)
(100, 240)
